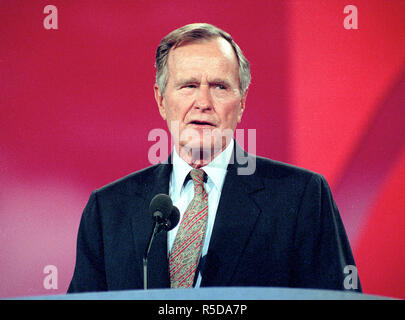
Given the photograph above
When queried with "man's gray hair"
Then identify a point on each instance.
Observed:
(192, 33)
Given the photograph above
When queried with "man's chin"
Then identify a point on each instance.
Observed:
(201, 150)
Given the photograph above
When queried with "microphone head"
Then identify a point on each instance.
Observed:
(173, 219)
(160, 207)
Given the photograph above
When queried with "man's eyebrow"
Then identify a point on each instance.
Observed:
(186, 81)
(221, 81)
(182, 82)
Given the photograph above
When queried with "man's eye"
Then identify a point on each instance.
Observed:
(189, 86)
(221, 87)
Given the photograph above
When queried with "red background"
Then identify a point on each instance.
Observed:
(76, 107)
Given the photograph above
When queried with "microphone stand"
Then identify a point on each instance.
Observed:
(145, 257)
(162, 222)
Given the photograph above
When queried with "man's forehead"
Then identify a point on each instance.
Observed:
(200, 47)
(215, 56)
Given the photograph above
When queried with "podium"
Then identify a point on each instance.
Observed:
(215, 293)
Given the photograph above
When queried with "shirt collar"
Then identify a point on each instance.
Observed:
(215, 170)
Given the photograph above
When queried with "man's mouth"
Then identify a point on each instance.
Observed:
(201, 123)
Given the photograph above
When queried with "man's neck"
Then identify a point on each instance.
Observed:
(198, 158)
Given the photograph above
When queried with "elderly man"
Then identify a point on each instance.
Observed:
(277, 226)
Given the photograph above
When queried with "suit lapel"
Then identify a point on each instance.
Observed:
(235, 219)
(158, 268)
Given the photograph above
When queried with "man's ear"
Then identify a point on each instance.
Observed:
(159, 101)
(242, 106)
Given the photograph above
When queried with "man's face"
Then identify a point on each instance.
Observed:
(202, 99)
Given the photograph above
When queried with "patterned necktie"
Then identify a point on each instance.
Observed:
(183, 259)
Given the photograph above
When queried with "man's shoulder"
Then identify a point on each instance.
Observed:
(136, 180)
(269, 169)
(273, 169)
(288, 180)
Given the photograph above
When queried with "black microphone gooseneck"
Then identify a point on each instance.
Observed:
(166, 217)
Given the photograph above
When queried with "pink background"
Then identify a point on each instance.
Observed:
(76, 107)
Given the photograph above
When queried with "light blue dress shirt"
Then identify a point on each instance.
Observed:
(182, 193)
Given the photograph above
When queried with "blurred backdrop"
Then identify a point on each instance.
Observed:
(76, 107)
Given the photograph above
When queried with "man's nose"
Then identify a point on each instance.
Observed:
(203, 99)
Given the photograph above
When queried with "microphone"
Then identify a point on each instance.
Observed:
(166, 217)
(173, 219)
(161, 209)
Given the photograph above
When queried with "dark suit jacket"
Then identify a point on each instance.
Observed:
(276, 227)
